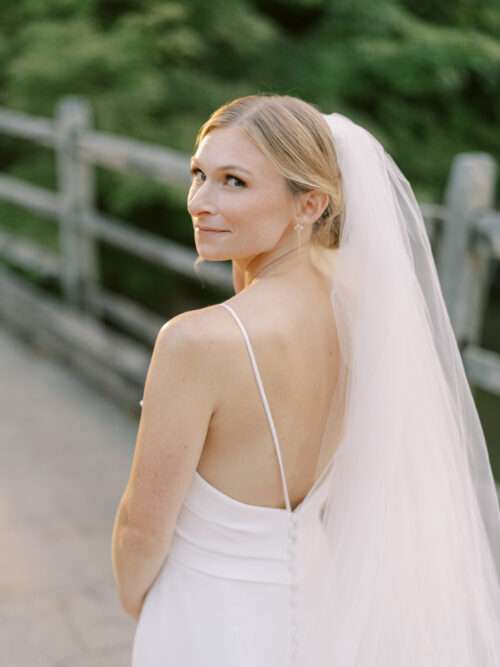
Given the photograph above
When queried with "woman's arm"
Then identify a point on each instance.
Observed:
(180, 394)
(136, 562)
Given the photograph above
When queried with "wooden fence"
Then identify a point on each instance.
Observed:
(464, 231)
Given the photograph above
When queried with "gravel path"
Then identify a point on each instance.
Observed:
(66, 454)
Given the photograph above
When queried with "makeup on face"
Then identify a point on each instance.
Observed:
(238, 201)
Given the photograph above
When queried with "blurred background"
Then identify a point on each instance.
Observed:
(100, 103)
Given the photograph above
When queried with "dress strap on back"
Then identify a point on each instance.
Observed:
(264, 401)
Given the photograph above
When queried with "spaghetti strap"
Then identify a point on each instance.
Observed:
(264, 401)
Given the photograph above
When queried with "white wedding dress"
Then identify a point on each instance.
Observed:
(231, 592)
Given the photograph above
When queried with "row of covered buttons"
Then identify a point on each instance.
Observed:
(292, 540)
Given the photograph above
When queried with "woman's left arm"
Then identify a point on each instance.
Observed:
(179, 400)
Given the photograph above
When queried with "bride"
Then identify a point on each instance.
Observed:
(311, 484)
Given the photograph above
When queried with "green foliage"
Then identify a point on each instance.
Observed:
(424, 78)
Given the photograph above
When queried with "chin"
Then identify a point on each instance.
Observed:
(213, 255)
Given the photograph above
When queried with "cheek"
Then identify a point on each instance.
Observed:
(262, 212)
(238, 212)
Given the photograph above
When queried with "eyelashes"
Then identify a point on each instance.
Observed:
(195, 170)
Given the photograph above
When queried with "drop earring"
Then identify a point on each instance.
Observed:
(298, 228)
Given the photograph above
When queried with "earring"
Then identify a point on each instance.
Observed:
(298, 228)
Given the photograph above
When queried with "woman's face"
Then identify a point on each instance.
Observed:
(236, 189)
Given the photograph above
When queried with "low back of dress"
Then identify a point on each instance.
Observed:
(232, 589)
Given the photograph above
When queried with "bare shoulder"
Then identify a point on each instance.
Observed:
(199, 338)
(202, 327)
(212, 323)
(206, 335)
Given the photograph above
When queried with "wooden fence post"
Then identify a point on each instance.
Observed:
(76, 186)
(463, 269)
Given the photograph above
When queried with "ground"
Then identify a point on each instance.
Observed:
(66, 454)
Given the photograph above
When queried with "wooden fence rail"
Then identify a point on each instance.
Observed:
(464, 232)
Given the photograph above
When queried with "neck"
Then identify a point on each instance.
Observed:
(277, 263)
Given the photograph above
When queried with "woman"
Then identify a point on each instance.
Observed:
(310, 484)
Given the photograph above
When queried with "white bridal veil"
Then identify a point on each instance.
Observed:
(411, 535)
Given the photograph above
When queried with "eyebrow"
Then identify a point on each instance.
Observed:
(224, 167)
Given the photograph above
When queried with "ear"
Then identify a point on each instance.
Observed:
(312, 204)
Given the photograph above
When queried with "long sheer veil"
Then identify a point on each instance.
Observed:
(410, 541)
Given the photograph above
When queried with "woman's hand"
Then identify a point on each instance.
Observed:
(238, 278)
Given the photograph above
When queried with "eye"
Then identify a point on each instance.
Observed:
(237, 179)
(195, 170)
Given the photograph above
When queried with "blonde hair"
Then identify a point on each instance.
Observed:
(295, 136)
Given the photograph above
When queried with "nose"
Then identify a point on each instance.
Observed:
(199, 204)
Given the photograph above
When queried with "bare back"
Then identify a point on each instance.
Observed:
(291, 327)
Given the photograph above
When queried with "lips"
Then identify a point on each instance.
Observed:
(208, 229)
